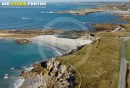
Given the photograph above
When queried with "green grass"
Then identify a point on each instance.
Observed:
(127, 27)
(101, 68)
(118, 70)
(128, 50)
(114, 34)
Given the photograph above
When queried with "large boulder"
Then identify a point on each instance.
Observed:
(22, 41)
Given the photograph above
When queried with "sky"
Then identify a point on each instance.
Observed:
(68, 0)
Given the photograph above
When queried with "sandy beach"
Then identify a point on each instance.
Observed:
(2, 35)
(65, 44)
(5, 34)
(62, 43)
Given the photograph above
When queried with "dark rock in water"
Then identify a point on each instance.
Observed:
(22, 41)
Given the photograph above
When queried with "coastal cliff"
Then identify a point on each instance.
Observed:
(49, 74)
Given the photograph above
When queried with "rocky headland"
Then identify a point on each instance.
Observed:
(80, 12)
(108, 8)
(125, 18)
(52, 73)
(49, 74)
(107, 27)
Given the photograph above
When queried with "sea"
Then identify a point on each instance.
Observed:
(15, 57)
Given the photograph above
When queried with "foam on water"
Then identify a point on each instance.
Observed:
(28, 68)
(19, 82)
(46, 12)
(24, 18)
(6, 76)
(12, 68)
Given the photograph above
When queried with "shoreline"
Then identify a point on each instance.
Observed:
(36, 37)
(62, 43)
(28, 34)
(100, 68)
(40, 37)
(121, 10)
(51, 36)
(51, 40)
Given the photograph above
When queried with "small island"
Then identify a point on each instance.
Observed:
(22, 41)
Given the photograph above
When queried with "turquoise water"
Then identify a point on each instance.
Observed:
(19, 57)
(37, 18)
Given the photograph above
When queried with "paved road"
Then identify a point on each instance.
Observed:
(122, 74)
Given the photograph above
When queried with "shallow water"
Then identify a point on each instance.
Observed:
(18, 57)
(37, 18)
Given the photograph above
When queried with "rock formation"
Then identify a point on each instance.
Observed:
(49, 74)
(22, 41)
(104, 27)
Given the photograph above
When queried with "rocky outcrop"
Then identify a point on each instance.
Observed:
(104, 27)
(49, 74)
(125, 18)
(22, 41)
(80, 12)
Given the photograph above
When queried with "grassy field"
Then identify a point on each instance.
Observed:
(97, 65)
(128, 57)
(114, 34)
(127, 27)
(125, 33)
(128, 76)
(101, 67)
(128, 50)
(128, 65)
